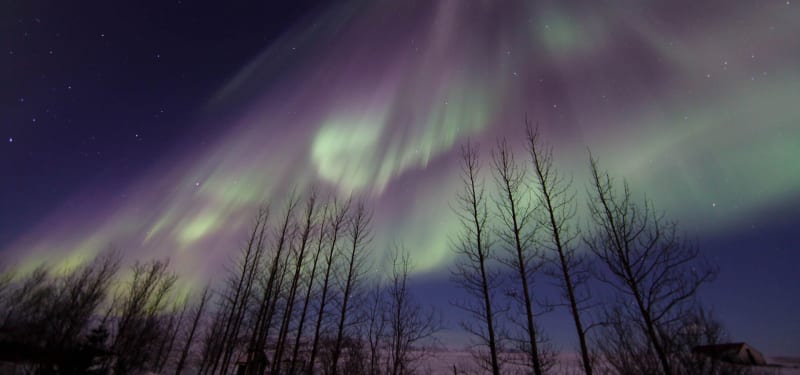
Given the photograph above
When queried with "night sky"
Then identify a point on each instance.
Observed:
(159, 127)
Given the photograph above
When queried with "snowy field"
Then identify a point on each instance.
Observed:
(462, 362)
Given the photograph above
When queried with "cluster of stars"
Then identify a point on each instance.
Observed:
(40, 36)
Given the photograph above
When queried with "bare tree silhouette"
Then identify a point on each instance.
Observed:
(473, 246)
(50, 315)
(555, 216)
(411, 327)
(140, 308)
(173, 326)
(338, 221)
(320, 242)
(653, 270)
(239, 291)
(354, 257)
(517, 230)
(197, 315)
(375, 326)
(305, 231)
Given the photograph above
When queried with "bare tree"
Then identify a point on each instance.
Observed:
(49, 315)
(281, 286)
(309, 222)
(239, 290)
(410, 327)
(24, 304)
(625, 349)
(358, 235)
(211, 342)
(653, 270)
(320, 242)
(6, 281)
(338, 221)
(517, 231)
(140, 306)
(173, 327)
(26, 309)
(71, 310)
(197, 314)
(475, 252)
(271, 288)
(555, 216)
(375, 323)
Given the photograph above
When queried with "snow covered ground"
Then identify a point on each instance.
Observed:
(445, 361)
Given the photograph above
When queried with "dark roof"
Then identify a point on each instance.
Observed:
(718, 348)
(737, 352)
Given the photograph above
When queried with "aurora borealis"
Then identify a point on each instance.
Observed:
(695, 103)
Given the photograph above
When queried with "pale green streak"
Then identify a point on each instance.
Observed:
(738, 152)
(567, 36)
(199, 226)
(345, 149)
(356, 152)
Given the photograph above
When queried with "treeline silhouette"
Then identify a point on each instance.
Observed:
(301, 297)
(298, 299)
(627, 278)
